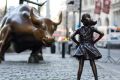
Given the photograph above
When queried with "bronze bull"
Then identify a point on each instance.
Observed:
(26, 30)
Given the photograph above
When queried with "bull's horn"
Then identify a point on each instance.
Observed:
(34, 18)
(60, 19)
(35, 2)
(5, 8)
(43, 3)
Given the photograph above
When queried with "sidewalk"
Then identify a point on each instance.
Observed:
(113, 69)
(52, 68)
(106, 71)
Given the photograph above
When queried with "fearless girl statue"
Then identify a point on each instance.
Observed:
(86, 49)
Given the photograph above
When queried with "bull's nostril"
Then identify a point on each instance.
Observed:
(50, 38)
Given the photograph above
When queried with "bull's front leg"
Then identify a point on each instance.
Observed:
(5, 48)
(35, 56)
(4, 40)
(40, 54)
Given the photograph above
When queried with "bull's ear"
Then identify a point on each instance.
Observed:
(60, 20)
(34, 18)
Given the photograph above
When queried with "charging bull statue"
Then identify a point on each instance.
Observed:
(26, 30)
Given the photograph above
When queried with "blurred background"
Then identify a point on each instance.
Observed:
(107, 15)
(105, 12)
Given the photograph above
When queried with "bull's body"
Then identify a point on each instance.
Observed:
(26, 31)
(22, 36)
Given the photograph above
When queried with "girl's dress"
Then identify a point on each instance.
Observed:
(86, 49)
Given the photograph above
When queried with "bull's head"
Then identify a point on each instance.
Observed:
(45, 27)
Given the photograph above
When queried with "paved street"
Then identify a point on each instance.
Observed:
(52, 68)
(114, 53)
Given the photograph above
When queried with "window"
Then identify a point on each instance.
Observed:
(107, 21)
(99, 22)
(110, 30)
(85, 2)
(92, 2)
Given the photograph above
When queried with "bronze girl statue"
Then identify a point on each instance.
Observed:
(86, 49)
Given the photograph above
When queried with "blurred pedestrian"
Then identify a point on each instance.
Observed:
(86, 49)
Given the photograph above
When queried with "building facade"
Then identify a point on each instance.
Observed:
(111, 19)
(116, 12)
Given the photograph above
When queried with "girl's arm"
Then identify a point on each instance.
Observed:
(101, 34)
(73, 37)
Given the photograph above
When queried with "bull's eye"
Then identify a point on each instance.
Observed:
(52, 27)
(44, 27)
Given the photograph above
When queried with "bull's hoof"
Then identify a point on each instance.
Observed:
(40, 58)
(33, 59)
(0, 60)
(3, 59)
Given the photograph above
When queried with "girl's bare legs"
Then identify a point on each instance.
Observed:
(80, 69)
(94, 69)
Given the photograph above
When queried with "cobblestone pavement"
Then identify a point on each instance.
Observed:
(52, 68)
